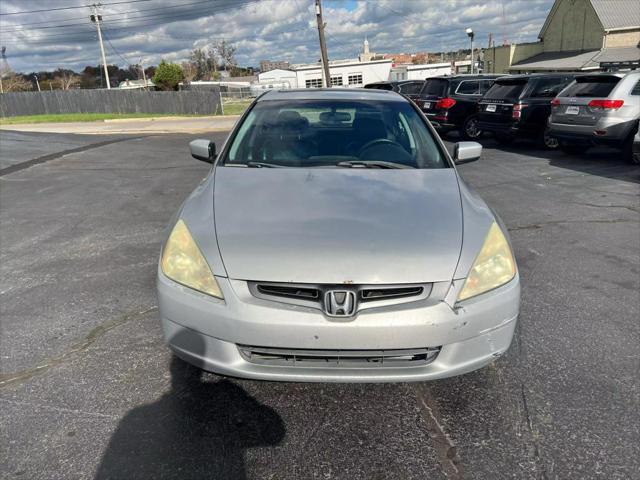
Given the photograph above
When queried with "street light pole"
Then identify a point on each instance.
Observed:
(97, 18)
(37, 82)
(471, 35)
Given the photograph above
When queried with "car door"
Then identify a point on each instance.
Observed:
(542, 91)
(467, 94)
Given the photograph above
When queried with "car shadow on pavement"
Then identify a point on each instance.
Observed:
(199, 429)
(599, 161)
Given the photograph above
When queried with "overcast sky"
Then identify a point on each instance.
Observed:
(263, 29)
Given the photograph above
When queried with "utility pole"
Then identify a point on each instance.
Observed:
(323, 46)
(97, 18)
(37, 82)
(144, 76)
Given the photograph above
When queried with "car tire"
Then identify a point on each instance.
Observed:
(548, 142)
(504, 139)
(469, 129)
(573, 148)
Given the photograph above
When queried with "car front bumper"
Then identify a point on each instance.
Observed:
(207, 332)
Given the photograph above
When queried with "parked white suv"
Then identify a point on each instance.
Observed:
(597, 109)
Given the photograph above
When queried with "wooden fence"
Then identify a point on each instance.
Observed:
(109, 101)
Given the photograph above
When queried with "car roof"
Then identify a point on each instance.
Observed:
(465, 76)
(527, 76)
(603, 74)
(332, 94)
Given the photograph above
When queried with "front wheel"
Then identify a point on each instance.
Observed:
(548, 142)
(469, 129)
(573, 148)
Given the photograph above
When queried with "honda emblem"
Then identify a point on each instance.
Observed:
(340, 303)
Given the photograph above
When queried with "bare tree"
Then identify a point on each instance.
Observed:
(189, 71)
(66, 80)
(226, 51)
(15, 83)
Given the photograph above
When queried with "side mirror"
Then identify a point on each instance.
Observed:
(204, 150)
(464, 152)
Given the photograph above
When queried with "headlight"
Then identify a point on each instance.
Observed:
(494, 265)
(183, 262)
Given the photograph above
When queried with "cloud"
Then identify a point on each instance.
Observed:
(265, 29)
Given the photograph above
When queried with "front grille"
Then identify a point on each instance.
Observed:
(382, 293)
(414, 357)
(313, 295)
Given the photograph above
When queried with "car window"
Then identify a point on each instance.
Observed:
(506, 90)
(636, 88)
(380, 86)
(485, 85)
(598, 86)
(410, 88)
(468, 87)
(323, 133)
(434, 87)
(548, 87)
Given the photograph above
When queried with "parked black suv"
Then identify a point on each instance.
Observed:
(450, 102)
(520, 105)
(405, 87)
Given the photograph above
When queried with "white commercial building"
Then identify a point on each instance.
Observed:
(419, 72)
(344, 73)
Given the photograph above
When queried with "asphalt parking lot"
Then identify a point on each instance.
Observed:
(88, 389)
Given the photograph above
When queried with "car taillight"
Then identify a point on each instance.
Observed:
(555, 102)
(606, 104)
(516, 114)
(445, 103)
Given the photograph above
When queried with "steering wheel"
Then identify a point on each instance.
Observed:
(379, 141)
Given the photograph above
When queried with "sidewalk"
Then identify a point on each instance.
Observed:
(134, 125)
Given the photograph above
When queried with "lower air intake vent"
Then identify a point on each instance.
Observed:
(414, 357)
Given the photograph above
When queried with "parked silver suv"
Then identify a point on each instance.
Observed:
(597, 109)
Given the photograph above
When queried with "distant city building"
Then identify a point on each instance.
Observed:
(266, 65)
(408, 58)
(366, 55)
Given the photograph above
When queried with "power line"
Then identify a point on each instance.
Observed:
(148, 20)
(114, 48)
(14, 27)
(71, 8)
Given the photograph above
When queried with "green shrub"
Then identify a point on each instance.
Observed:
(167, 76)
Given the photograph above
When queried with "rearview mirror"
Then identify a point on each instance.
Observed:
(204, 150)
(464, 152)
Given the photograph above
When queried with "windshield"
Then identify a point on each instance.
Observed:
(434, 88)
(505, 90)
(596, 86)
(334, 133)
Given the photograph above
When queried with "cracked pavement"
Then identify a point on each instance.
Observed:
(88, 390)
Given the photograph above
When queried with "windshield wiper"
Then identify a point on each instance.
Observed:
(371, 164)
(263, 165)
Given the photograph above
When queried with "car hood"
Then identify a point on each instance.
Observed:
(334, 226)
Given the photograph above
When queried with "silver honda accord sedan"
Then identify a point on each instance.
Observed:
(333, 240)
